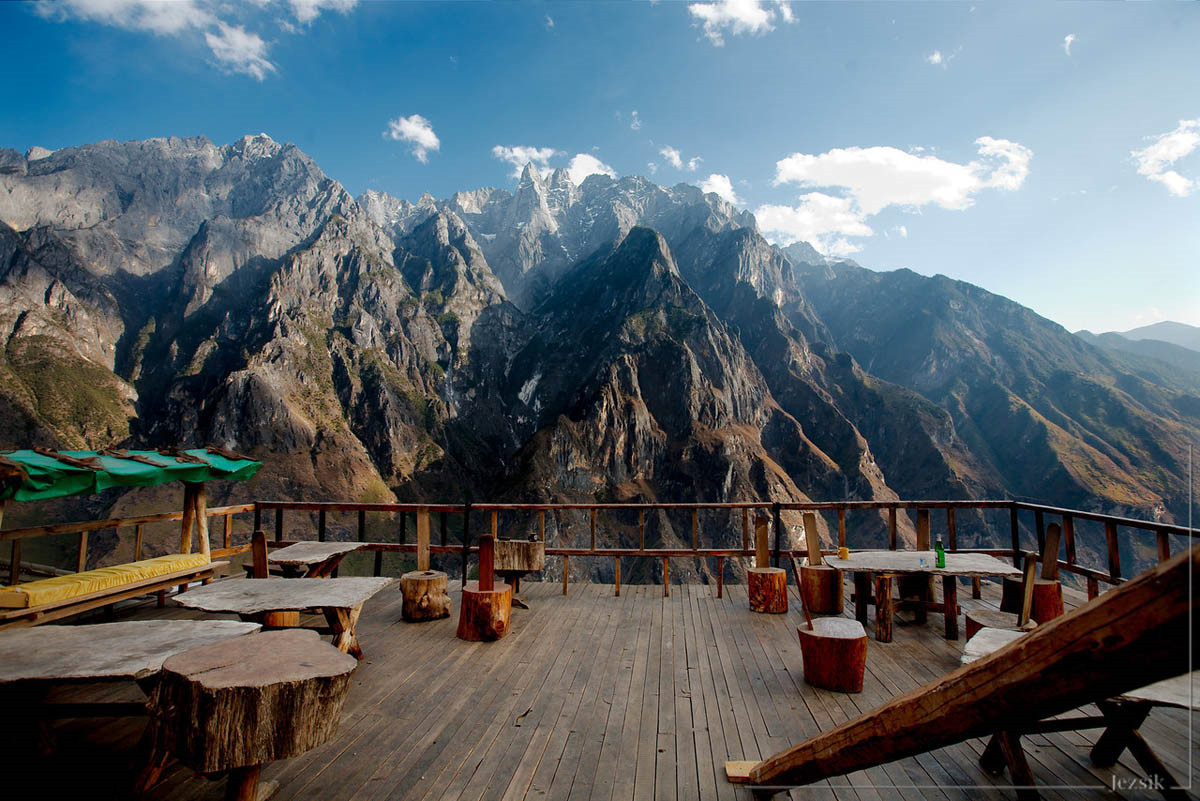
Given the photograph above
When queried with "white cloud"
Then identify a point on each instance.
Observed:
(935, 58)
(672, 156)
(549, 22)
(239, 51)
(1067, 42)
(306, 11)
(635, 124)
(652, 167)
(157, 17)
(721, 186)
(1155, 159)
(584, 164)
(901, 231)
(874, 178)
(820, 219)
(877, 177)
(693, 163)
(520, 155)
(739, 16)
(417, 131)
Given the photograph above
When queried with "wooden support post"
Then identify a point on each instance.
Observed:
(484, 613)
(976, 588)
(720, 576)
(1016, 534)
(950, 605)
(202, 519)
(1039, 525)
(593, 537)
(666, 577)
(841, 527)
(14, 573)
(617, 574)
(1164, 545)
(403, 528)
(923, 530)
(423, 542)
(378, 568)
(745, 529)
(695, 529)
(466, 541)
(495, 525)
(321, 525)
(278, 524)
(542, 524)
(1114, 550)
(362, 525)
(884, 608)
(83, 549)
(891, 528)
(257, 519)
(951, 531)
(227, 530)
(258, 555)
(189, 518)
(641, 529)
(445, 528)
(1093, 587)
(777, 513)
(487, 561)
(862, 595)
(566, 571)
(1068, 527)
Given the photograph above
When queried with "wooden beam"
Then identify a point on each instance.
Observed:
(721, 576)
(495, 525)
(189, 518)
(745, 529)
(1068, 527)
(14, 574)
(1114, 549)
(951, 530)
(761, 555)
(228, 529)
(139, 536)
(566, 572)
(617, 574)
(321, 526)
(892, 528)
(487, 557)
(542, 524)
(1137, 634)
(423, 543)
(695, 529)
(201, 503)
(641, 529)
(83, 549)
(258, 555)
(1015, 526)
(593, 537)
(841, 527)
(666, 577)
(1164, 545)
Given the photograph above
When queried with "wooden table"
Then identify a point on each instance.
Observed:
(34, 661)
(312, 559)
(1120, 718)
(884, 565)
(339, 599)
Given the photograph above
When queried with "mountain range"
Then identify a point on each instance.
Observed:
(613, 340)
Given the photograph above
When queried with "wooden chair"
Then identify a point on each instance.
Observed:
(820, 585)
(1021, 621)
(832, 649)
(1047, 591)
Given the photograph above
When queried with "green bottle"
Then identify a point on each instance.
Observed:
(941, 553)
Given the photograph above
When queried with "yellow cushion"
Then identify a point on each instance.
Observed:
(61, 588)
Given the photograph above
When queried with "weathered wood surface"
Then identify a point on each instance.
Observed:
(250, 701)
(484, 615)
(589, 668)
(426, 595)
(834, 654)
(1180, 691)
(257, 596)
(957, 564)
(514, 555)
(306, 554)
(1138, 631)
(986, 641)
(822, 588)
(1047, 600)
(105, 651)
(767, 588)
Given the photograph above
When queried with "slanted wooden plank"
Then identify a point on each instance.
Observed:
(423, 538)
(1098, 651)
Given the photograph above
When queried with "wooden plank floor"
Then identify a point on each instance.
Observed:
(600, 697)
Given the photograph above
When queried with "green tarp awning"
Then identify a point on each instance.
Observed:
(50, 477)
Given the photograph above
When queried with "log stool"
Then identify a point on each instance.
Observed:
(238, 705)
(820, 584)
(1047, 591)
(259, 569)
(833, 650)
(767, 586)
(977, 619)
(486, 606)
(425, 591)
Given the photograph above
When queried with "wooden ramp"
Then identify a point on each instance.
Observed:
(1137, 634)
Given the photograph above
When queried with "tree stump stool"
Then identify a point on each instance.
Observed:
(484, 614)
(1047, 600)
(425, 595)
(767, 589)
(822, 588)
(834, 654)
(1011, 595)
(236, 706)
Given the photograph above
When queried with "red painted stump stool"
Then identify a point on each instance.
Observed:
(486, 607)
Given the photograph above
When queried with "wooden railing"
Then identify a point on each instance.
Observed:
(891, 509)
(85, 529)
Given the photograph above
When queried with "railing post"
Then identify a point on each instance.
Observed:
(841, 527)
(542, 524)
(257, 517)
(1016, 534)
(403, 528)
(15, 556)
(83, 545)
(228, 529)
(1114, 550)
(695, 529)
(593, 541)
(777, 512)
(666, 578)
(951, 530)
(466, 543)
(617, 574)
(1164, 545)
(445, 527)
(641, 529)
(487, 563)
(891, 528)
(1068, 524)
(566, 571)
(745, 529)
(720, 576)
(923, 529)
(1039, 525)
(279, 524)
(321, 526)
(362, 525)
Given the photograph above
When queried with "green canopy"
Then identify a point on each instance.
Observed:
(53, 474)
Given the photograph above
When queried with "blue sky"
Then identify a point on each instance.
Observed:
(971, 140)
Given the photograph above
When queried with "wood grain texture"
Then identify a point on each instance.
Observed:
(249, 597)
(767, 588)
(484, 615)
(426, 595)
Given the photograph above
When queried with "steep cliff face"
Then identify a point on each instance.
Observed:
(614, 340)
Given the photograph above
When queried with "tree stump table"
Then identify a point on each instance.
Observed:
(486, 606)
(236, 706)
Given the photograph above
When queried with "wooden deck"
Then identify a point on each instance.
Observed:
(600, 697)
